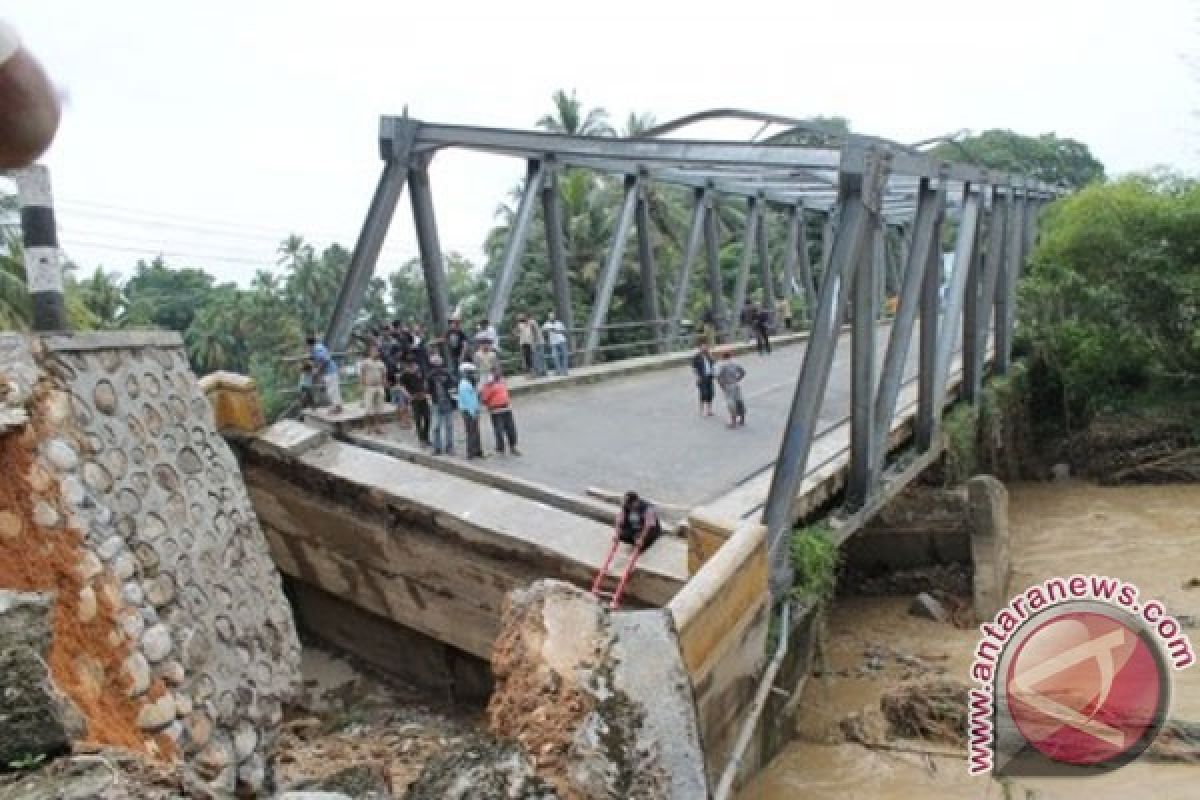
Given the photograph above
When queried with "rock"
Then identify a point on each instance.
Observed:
(199, 728)
(214, 759)
(251, 776)
(87, 604)
(158, 714)
(89, 566)
(365, 781)
(110, 548)
(175, 729)
(183, 704)
(156, 643)
(125, 566)
(1060, 472)
(46, 515)
(73, 492)
(25, 619)
(137, 673)
(173, 673)
(303, 795)
(11, 525)
(131, 593)
(105, 397)
(598, 701)
(160, 590)
(132, 624)
(61, 455)
(37, 718)
(244, 742)
(476, 767)
(927, 606)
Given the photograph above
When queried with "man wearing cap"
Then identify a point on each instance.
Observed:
(468, 404)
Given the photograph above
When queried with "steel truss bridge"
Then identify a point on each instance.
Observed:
(859, 189)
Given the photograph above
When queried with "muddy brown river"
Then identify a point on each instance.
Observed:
(1149, 536)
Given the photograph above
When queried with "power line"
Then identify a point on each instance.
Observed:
(142, 214)
(157, 249)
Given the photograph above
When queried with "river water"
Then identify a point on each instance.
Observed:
(1149, 536)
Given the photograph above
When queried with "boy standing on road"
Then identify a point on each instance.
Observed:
(729, 378)
(495, 397)
(371, 376)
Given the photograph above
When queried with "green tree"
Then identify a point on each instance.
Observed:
(1111, 303)
(102, 295)
(571, 117)
(1047, 157)
(161, 296)
(15, 310)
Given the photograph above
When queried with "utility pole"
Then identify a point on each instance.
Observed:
(43, 264)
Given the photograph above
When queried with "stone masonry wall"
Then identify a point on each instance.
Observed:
(158, 497)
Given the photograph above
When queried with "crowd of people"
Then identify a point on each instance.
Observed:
(430, 382)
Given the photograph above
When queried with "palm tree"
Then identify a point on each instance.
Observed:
(569, 117)
(102, 295)
(15, 309)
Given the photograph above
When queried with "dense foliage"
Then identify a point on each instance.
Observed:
(1110, 305)
(1048, 158)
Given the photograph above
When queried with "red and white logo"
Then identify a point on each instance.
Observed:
(1084, 687)
(1073, 678)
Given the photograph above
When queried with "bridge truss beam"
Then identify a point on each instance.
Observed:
(883, 204)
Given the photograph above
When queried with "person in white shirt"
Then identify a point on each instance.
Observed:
(488, 331)
(556, 334)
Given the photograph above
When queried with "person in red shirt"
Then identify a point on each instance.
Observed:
(494, 395)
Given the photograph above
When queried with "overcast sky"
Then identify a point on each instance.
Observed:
(209, 130)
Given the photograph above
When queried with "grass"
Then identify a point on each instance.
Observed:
(815, 560)
(960, 431)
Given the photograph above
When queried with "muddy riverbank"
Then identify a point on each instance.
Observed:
(1148, 535)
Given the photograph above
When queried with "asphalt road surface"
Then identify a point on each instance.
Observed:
(644, 432)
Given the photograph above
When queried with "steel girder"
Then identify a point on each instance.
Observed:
(864, 174)
(612, 265)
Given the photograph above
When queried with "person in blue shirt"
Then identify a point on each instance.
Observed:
(468, 404)
(327, 371)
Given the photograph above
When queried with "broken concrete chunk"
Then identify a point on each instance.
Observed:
(927, 606)
(25, 619)
(33, 714)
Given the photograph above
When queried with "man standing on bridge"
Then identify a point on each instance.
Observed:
(556, 334)
(440, 388)
(468, 404)
(495, 396)
(762, 322)
(456, 345)
(327, 369)
(729, 378)
(702, 365)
